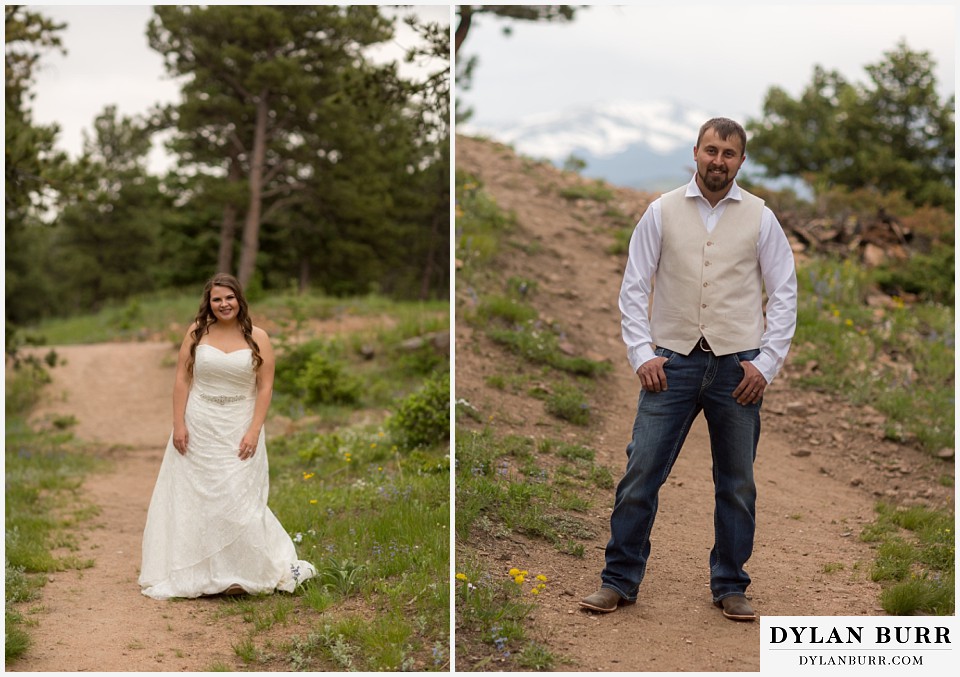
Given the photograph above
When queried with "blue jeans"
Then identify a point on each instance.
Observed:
(697, 382)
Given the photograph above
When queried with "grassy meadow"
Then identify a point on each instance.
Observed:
(358, 440)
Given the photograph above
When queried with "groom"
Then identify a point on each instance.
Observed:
(703, 346)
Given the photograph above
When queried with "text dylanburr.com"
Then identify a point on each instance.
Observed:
(794, 645)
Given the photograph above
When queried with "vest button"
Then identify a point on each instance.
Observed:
(703, 305)
(706, 263)
(706, 284)
(709, 244)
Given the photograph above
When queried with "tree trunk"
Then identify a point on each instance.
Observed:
(430, 263)
(466, 17)
(304, 280)
(228, 229)
(251, 225)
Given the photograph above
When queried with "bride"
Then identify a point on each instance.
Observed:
(209, 529)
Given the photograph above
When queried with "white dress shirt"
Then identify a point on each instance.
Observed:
(776, 266)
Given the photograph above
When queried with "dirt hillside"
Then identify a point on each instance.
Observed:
(821, 465)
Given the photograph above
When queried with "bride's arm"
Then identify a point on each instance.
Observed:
(181, 389)
(248, 445)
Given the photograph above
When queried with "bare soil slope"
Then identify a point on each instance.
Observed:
(821, 466)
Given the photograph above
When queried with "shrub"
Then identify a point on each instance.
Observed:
(316, 372)
(291, 361)
(325, 381)
(23, 386)
(423, 418)
(929, 276)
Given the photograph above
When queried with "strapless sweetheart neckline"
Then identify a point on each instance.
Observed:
(231, 352)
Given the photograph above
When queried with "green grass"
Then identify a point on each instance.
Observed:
(17, 641)
(914, 560)
(480, 224)
(899, 360)
(333, 376)
(372, 514)
(493, 607)
(509, 319)
(245, 650)
(597, 191)
(529, 499)
(373, 519)
(567, 402)
(140, 316)
(44, 471)
(536, 657)
(540, 345)
(919, 596)
(153, 315)
(508, 310)
(508, 484)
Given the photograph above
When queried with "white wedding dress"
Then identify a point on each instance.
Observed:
(208, 526)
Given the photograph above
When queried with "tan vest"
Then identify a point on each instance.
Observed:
(708, 284)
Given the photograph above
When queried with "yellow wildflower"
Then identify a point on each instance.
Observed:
(519, 579)
(308, 475)
(535, 591)
(313, 501)
(541, 577)
(514, 572)
(461, 577)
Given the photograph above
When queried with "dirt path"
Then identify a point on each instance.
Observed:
(821, 464)
(96, 619)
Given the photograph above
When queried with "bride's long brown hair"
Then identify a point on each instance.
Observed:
(205, 318)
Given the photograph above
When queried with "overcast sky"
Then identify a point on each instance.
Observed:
(722, 57)
(108, 61)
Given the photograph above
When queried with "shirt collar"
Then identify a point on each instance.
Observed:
(693, 190)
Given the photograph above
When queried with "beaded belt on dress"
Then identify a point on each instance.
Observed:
(223, 399)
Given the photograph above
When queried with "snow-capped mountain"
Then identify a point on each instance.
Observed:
(646, 145)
